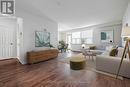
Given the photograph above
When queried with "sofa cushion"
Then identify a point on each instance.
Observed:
(108, 48)
(113, 52)
(120, 51)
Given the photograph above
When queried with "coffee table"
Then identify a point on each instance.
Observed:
(92, 53)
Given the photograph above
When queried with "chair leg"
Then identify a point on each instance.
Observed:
(92, 58)
(85, 57)
(89, 56)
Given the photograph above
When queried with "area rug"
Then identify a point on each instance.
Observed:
(90, 64)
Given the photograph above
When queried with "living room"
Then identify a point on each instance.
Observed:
(64, 43)
(93, 36)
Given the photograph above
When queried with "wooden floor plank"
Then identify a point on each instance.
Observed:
(53, 73)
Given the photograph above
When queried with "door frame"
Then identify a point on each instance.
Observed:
(18, 33)
(67, 35)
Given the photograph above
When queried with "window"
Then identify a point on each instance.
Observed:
(82, 37)
(87, 36)
(76, 38)
(69, 40)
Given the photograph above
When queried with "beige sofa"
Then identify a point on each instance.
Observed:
(110, 64)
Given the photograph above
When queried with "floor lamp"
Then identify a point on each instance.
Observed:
(125, 33)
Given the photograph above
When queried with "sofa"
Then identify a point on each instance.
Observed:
(78, 47)
(110, 64)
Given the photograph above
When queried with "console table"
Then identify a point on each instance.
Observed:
(38, 56)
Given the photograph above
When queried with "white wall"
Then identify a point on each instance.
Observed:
(32, 23)
(115, 26)
(126, 18)
(62, 36)
(116, 38)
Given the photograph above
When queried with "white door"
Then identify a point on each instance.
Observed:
(7, 39)
(69, 40)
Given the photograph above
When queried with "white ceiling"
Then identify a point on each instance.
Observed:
(72, 14)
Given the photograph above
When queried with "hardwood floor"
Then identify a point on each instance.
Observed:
(53, 73)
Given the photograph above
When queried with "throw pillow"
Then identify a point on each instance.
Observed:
(113, 52)
(108, 48)
(92, 47)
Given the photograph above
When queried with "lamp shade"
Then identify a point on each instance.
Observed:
(125, 32)
(83, 45)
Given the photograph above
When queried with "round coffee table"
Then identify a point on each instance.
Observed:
(77, 63)
(92, 53)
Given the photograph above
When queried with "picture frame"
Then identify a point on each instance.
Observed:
(107, 36)
(42, 39)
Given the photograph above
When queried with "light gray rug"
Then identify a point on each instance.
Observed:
(90, 64)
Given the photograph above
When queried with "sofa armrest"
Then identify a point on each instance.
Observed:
(111, 65)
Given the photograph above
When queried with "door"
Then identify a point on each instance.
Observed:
(69, 40)
(7, 38)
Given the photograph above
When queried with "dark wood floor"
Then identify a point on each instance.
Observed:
(53, 73)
